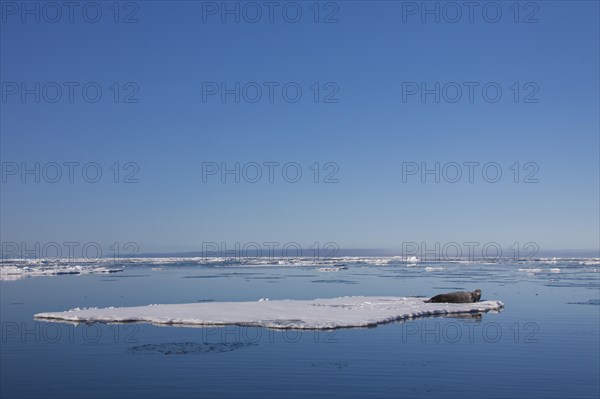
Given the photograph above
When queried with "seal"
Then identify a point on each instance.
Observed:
(457, 297)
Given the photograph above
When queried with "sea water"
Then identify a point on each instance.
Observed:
(545, 342)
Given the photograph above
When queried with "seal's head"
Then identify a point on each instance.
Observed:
(476, 295)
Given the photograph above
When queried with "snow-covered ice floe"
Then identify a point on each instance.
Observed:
(357, 311)
(538, 270)
(11, 273)
(331, 269)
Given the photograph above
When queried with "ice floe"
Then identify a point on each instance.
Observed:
(538, 270)
(434, 269)
(11, 273)
(357, 311)
(14, 269)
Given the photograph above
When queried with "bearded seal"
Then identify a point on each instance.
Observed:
(457, 297)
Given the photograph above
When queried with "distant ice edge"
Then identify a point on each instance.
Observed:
(344, 312)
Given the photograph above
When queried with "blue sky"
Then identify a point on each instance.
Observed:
(365, 59)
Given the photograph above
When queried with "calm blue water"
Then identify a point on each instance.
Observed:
(545, 343)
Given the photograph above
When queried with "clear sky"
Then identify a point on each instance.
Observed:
(365, 123)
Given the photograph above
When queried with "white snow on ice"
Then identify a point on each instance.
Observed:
(11, 273)
(357, 311)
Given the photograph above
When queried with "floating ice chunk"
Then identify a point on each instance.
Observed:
(590, 262)
(538, 270)
(434, 269)
(11, 273)
(285, 314)
(532, 270)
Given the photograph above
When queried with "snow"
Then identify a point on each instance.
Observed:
(357, 311)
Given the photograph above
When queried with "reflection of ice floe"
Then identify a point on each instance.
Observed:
(336, 365)
(11, 273)
(284, 314)
(590, 302)
(186, 348)
(331, 269)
